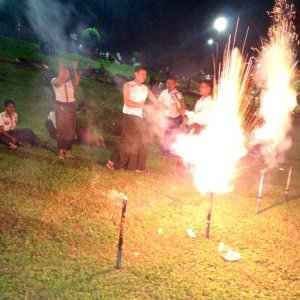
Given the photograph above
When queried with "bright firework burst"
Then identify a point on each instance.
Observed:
(215, 153)
(277, 73)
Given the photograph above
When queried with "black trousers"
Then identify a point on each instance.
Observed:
(25, 135)
(131, 153)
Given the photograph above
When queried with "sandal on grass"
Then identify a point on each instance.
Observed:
(110, 165)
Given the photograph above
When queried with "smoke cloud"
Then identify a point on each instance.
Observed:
(49, 20)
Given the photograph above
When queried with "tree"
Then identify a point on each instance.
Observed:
(90, 38)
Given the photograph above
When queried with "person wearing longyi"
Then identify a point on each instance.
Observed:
(172, 101)
(199, 118)
(131, 152)
(65, 110)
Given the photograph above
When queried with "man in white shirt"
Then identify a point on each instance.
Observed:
(172, 101)
(198, 119)
(12, 136)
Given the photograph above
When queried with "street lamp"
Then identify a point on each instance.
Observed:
(212, 42)
(220, 24)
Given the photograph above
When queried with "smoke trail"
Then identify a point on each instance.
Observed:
(277, 73)
(49, 19)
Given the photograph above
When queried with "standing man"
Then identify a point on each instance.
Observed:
(131, 153)
(172, 101)
(64, 87)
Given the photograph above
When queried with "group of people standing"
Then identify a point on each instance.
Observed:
(131, 152)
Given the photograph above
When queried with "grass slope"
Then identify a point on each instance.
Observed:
(59, 227)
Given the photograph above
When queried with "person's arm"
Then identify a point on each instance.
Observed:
(153, 99)
(59, 81)
(180, 102)
(76, 79)
(8, 136)
(126, 96)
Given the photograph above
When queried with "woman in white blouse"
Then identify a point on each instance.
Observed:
(65, 110)
(131, 153)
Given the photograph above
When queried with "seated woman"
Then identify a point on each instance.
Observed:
(51, 125)
(12, 136)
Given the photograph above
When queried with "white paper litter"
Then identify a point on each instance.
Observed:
(227, 253)
(160, 231)
(191, 233)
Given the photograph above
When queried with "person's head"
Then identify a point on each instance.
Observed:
(171, 83)
(10, 106)
(206, 88)
(64, 73)
(140, 74)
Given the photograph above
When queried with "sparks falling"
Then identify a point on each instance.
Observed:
(277, 73)
(214, 153)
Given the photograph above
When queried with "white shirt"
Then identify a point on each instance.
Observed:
(52, 118)
(171, 101)
(8, 122)
(65, 92)
(201, 112)
(138, 94)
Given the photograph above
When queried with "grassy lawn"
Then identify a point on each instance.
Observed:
(59, 225)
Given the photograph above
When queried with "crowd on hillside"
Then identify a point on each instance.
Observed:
(70, 120)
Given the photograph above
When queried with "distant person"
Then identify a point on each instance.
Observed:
(153, 84)
(198, 118)
(51, 125)
(86, 131)
(131, 152)
(65, 111)
(172, 101)
(10, 134)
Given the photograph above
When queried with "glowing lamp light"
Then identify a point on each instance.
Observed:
(210, 41)
(220, 24)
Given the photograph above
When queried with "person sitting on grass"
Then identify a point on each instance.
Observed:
(50, 124)
(86, 131)
(12, 136)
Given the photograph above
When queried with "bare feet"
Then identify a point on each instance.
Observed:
(61, 154)
(69, 154)
(13, 146)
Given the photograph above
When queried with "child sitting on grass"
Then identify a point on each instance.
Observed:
(12, 136)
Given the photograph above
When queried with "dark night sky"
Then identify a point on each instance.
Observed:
(165, 31)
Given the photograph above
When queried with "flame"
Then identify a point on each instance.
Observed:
(214, 153)
(277, 72)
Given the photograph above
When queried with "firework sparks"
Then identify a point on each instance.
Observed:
(276, 73)
(215, 153)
